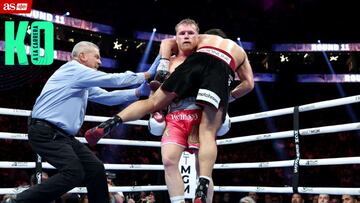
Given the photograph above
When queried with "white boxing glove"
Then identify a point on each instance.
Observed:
(225, 127)
(157, 124)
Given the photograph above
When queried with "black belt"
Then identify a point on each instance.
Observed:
(47, 124)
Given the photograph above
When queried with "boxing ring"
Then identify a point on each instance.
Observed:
(295, 133)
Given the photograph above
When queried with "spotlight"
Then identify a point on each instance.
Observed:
(117, 45)
(284, 58)
(334, 58)
(239, 41)
(154, 29)
(67, 13)
(139, 45)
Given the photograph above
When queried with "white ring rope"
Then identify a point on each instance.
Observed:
(330, 129)
(268, 164)
(258, 189)
(83, 189)
(236, 140)
(21, 136)
(45, 165)
(265, 114)
(285, 163)
(302, 108)
(21, 112)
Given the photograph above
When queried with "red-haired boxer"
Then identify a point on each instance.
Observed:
(206, 75)
(182, 120)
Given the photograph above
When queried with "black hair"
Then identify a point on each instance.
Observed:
(217, 32)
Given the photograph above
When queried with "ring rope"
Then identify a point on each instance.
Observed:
(26, 113)
(304, 162)
(236, 140)
(258, 189)
(83, 189)
(21, 136)
(265, 114)
(302, 108)
(267, 164)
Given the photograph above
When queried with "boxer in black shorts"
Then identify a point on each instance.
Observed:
(199, 76)
(205, 74)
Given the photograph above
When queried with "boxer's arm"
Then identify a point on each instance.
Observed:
(247, 80)
(167, 47)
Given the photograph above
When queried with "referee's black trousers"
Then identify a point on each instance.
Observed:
(75, 162)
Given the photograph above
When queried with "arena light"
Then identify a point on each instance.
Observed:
(239, 42)
(139, 45)
(284, 58)
(142, 66)
(63, 19)
(117, 45)
(339, 87)
(334, 58)
(270, 124)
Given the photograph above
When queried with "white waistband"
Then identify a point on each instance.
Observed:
(216, 53)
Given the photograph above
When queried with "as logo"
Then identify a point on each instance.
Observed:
(9, 7)
(15, 6)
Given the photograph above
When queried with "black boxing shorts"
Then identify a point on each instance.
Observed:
(202, 75)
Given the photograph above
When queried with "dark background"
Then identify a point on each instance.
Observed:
(263, 22)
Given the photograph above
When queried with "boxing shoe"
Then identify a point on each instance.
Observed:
(201, 190)
(94, 134)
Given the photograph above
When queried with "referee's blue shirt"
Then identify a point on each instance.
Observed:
(64, 97)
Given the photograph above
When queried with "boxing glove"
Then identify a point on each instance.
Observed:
(154, 85)
(225, 127)
(94, 134)
(157, 124)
